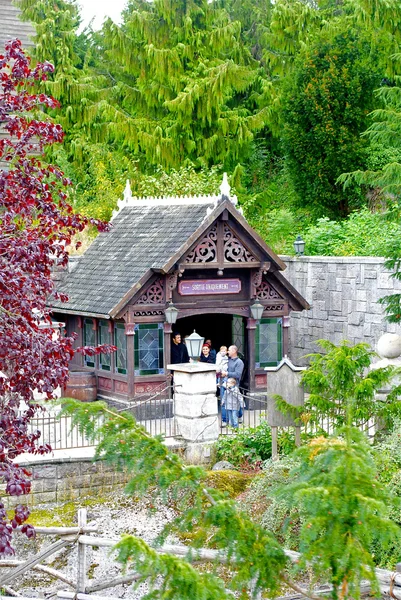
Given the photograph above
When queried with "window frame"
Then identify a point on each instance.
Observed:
(109, 340)
(89, 361)
(120, 370)
(147, 372)
(279, 344)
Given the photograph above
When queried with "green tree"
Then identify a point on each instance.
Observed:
(342, 386)
(325, 111)
(185, 87)
(384, 175)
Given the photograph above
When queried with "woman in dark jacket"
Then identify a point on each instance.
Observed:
(206, 356)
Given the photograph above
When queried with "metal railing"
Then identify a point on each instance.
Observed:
(155, 412)
(59, 432)
(253, 414)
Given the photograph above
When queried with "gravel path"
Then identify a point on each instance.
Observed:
(114, 518)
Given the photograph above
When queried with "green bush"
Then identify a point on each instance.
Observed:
(247, 446)
(363, 234)
(271, 513)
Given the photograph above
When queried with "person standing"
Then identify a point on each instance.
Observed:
(212, 350)
(235, 369)
(179, 352)
(206, 356)
(221, 365)
(235, 366)
(233, 402)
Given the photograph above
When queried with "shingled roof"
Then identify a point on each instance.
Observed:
(147, 236)
(143, 237)
(11, 25)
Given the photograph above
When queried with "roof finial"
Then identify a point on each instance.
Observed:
(225, 187)
(127, 192)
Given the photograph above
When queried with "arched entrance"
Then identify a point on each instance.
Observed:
(222, 329)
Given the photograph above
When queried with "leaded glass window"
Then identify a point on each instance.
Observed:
(269, 342)
(148, 352)
(89, 340)
(104, 338)
(120, 341)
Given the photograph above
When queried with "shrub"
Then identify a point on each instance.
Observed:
(247, 446)
(272, 513)
(363, 233)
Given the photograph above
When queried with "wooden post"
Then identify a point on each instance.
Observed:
(297, 436)
(251, 328)
(81, 572)
(274, 443)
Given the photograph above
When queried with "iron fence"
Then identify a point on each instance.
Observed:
(155, 412)
(59, 432)
(253, 413)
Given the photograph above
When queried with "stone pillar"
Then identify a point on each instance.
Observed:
(195, 408)
(389, 350)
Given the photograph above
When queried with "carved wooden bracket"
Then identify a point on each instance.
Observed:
(171, 280)
(128, 319)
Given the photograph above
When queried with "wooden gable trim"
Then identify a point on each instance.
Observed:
(230, 215)
(153, 293)
(209, 221)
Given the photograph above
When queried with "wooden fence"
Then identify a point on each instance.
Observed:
(83, 588)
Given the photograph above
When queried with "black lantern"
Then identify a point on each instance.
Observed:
(171, 313)
(299, 246)
(194, 344)
(257, 311)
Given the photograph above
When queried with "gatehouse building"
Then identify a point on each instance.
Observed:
(197, 255)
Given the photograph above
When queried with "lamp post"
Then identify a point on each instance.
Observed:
(299, 246)
(171, 313)
(257, 311)
(194, 343)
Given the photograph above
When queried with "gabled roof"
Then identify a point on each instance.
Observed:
(147, 236)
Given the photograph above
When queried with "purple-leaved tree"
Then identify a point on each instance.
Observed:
(36, 225)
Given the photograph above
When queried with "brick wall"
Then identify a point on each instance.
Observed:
(343, 293)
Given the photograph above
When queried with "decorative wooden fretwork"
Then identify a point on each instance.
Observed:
(274, 307)
(154, 294)
(206, 250)
(234, 250)
(265, 291)
(148, 313)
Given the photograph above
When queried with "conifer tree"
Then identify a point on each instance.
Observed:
(334, 485)
(186, 87)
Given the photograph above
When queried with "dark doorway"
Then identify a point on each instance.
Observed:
(221, 329)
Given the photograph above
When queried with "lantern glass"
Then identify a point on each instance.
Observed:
(299, 246)
(194, 344)
(257, 311)
(171, 313)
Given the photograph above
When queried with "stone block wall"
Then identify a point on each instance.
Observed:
(343, 293)
(61, 480)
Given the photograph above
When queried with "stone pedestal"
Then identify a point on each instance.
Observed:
(195, 403)
(285, 381)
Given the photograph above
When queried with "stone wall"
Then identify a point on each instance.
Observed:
(343, 293)
(63, 480)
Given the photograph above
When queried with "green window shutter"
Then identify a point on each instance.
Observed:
(89, 340)
(269, 342)
(149, 349)
(120, 341)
